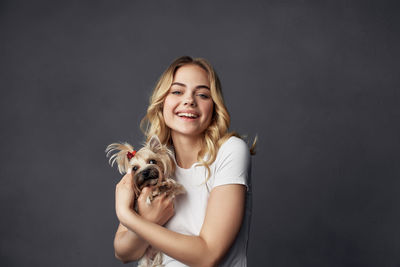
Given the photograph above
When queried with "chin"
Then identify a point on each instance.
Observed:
(187, 132)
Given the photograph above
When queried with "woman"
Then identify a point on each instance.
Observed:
(211, 221)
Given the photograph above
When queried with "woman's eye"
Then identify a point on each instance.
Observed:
(135, 168)
(204, 96)
(152, 161)
(176, 92)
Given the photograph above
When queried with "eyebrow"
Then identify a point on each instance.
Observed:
(197, 87)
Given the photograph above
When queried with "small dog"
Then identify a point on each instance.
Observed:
(153, 165)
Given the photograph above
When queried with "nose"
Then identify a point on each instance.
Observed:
(189, 100)
(146, 173)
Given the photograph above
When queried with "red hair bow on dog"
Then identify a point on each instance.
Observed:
(131, 154)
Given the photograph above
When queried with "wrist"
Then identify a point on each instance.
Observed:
(126, 216)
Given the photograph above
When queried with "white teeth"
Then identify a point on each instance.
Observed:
(190, 115)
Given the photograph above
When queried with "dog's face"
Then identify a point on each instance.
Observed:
(147, 169)
(151, 165)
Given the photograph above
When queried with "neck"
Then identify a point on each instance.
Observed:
(186, 149)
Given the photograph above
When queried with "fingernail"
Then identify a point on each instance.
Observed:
(129, 171)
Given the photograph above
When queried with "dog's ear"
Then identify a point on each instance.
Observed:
(171, 166)
(168, 160)
(121, 156)
(154, 143)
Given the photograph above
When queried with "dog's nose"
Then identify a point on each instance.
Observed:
(149, 174)
(146, 173)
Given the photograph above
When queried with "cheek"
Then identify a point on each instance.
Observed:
(209, 109)
(167, 107)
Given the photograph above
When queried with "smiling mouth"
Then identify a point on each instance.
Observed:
(187, 115)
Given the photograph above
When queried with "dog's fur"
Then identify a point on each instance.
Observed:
(153, 165)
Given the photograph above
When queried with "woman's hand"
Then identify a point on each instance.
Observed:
(124, 197)
(159, 211)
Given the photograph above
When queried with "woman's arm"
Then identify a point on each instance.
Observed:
(128, 246)
(222, 222)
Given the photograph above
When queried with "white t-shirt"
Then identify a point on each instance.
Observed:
(231, 166)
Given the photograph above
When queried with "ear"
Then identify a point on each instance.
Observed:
(120, 155)
(154, 143)
(171, 166)
(168, 161)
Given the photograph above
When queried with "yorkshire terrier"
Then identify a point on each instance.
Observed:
(153, 165)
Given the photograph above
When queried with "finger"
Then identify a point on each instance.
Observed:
(163, 196)
(146, 191)
(166, 202)
(170, 208)
(126, 179)
(171, 202)
(144, 194)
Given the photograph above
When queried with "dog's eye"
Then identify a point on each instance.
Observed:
(135, 168)
(152, 161)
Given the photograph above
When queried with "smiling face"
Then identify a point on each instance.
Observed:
(188, 107)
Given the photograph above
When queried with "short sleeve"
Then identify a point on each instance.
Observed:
(232, 163)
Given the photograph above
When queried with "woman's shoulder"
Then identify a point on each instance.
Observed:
(234, 145)
(232, 162)
(234, 141)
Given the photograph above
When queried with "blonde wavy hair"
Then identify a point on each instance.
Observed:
(216, 133)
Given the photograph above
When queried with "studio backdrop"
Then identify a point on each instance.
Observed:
(317, 81)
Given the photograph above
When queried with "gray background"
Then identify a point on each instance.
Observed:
(318, 81)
